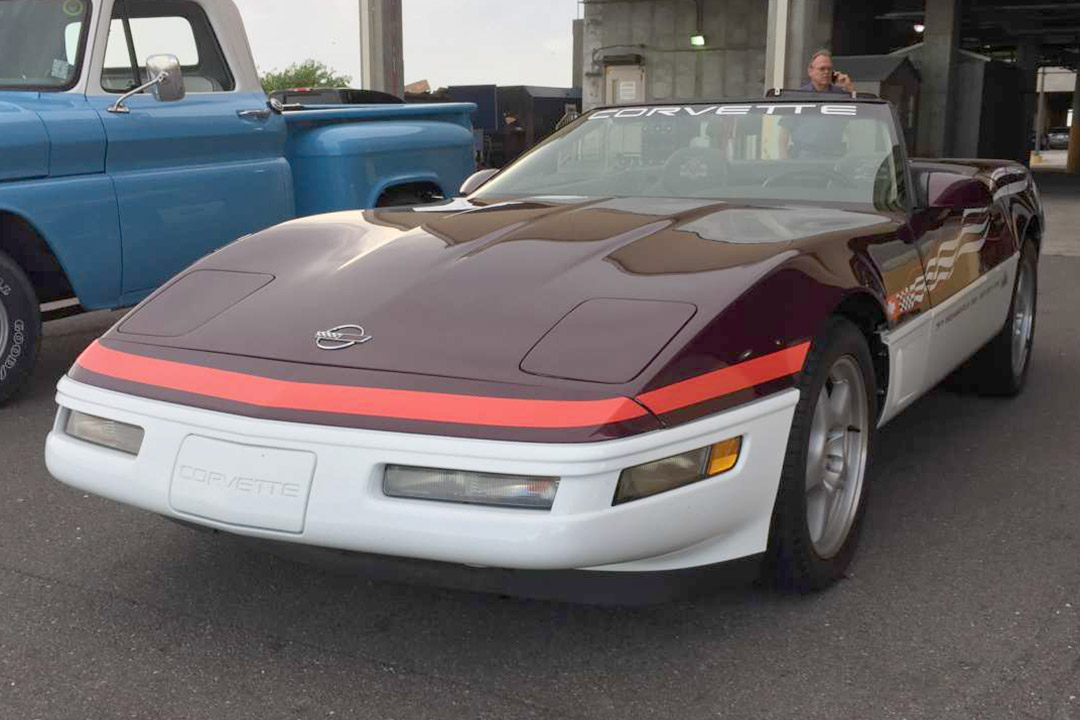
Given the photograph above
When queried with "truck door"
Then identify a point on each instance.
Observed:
(192, 175)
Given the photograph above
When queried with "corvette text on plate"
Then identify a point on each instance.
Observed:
(236, 483)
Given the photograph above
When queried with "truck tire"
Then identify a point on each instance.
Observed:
(407, 196)
(20, 328)
(823, 486)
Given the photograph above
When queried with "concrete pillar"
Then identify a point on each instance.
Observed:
(592, 70)
(382, 62)
(1040, 112)
(1073, 165)
(796, 29)
(776, 46)
(1027, 59)
(936, 101)
(579, 46)
(810, 26)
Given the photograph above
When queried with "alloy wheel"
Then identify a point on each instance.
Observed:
(836, 459)
(1023, 318)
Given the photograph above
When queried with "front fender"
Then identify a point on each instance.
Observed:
(78, 219)
(24, 144)
(754, 346)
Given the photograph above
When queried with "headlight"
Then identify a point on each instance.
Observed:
(108, 433)
(478, 488)
(674, 472)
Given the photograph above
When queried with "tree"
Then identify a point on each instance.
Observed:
(310, 73)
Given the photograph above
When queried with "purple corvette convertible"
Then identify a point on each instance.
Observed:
(659, 341)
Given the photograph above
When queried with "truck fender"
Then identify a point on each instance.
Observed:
(28, 248)
(403, 181)
(74, 224)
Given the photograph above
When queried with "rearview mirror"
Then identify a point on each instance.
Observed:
(955, 191)
(170, 87)
(475, 180)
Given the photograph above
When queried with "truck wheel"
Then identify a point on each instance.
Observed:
(407, 196)
(1001, 367)
(823, 486)
(20, 327)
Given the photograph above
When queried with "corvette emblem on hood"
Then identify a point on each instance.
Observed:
(341, 337)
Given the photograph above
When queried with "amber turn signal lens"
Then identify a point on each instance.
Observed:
(660, 476)
(724, 455)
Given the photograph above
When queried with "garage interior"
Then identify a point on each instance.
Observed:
(977, 63)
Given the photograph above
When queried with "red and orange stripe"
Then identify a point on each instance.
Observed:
(433, 406)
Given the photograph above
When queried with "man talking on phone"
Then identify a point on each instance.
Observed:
(824, 79)
(817, 139)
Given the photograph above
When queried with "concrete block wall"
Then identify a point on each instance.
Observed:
(732, 63)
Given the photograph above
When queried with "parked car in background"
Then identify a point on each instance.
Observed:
(655, 343)
(105, 194)
(1057, 138)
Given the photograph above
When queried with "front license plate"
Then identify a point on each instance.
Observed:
(242, 484)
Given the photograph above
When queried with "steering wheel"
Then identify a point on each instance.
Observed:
(694, 168)
(811, 173)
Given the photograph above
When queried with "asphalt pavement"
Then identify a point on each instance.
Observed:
(964, 601)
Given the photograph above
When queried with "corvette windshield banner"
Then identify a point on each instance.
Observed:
(845, 110)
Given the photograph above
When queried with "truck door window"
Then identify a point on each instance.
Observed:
(178, 27)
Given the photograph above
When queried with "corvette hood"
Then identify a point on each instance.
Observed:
(467, 291)
(24, 144)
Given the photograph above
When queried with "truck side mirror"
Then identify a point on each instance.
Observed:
(169, 88)
(475, 180)
(166, 81)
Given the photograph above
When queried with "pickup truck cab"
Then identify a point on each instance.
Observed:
(101, 201)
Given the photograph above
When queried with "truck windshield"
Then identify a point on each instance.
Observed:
(774, 151)
(41, 43)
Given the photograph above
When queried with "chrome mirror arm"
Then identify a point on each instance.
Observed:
(119, 107)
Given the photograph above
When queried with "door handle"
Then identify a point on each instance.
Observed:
(262, 115)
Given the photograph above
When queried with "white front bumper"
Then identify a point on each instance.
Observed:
(719, 519)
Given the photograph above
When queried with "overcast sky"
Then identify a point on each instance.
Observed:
(447, 42)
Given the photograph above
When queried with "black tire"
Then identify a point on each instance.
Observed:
(991, 371)
(792, 562)
(406, 197)
(20, 328)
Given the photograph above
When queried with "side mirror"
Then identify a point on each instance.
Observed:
(169, 88)
(475, 180)
(166, 81)
(955, 191)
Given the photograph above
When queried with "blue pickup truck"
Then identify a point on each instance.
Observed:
(106, 192)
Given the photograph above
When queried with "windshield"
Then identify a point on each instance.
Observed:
(833, 151)
(41, 43)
